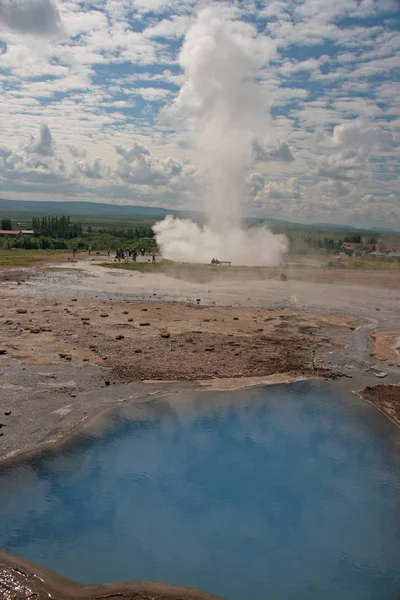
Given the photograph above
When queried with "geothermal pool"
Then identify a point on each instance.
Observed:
(288, 492)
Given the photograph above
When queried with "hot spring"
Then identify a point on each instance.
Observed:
(281, 492)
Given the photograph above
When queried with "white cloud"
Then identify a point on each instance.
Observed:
(96, 76)
(36, 17)
(44, 145)
(280, 151)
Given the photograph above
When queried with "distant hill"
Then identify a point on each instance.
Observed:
(81, 208)
(99, 211)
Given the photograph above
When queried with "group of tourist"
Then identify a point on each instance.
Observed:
(131, 253)
(120, 253)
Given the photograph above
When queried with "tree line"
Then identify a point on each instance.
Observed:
(61, 233)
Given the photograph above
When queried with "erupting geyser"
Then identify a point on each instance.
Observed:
(223, 109)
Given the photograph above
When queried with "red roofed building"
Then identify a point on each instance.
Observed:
(389, 247)
(10, 232)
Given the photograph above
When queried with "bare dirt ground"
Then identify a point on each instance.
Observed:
(386, 398)
(79, 337)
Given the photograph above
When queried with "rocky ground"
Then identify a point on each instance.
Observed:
(386, 398)
(77, 340)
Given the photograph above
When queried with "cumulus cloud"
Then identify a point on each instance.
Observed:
(136, 165)
(44, 145)
(107, 85)
(35, 17)
(345, 166)
(264, 153)
(358, 135)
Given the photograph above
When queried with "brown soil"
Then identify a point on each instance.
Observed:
(386, 344)
(386, 398)
(14, 275)
(138, 341)
(23, 580)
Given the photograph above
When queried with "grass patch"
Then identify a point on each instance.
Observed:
(29, 258)
(365, 264)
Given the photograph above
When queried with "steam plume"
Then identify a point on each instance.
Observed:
(223, 108)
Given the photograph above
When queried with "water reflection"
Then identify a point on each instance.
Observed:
(287, 492)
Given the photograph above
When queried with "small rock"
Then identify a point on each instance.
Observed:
(211, 349)
(21, 311)
(236, 318)
(120, 337)
(7, 413)
(73, 395)
(165, 335)
(1, 433)
(283, 277)
(138, 351)
(107, 383)
(35, 330)
(130, 319)
(104, 315)
(125, 312)
(85, 318)
(381, 374)
(198, 300)
(144, 324)
(74, 299)
(3, 351)
(2, 425)
(49, 375)
(144, 309)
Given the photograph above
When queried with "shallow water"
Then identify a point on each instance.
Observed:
(289, 492)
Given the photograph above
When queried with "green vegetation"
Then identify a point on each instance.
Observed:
(6, 224)
(28, 258)
(62, 233)
(370, 264)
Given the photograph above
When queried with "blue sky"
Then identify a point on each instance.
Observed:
(88, 89)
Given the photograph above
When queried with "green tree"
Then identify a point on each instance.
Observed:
(6, 224)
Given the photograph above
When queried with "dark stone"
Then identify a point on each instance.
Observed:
(120, 337)
(144, 324)
(21, 311)
(7, 413)
(165, 335)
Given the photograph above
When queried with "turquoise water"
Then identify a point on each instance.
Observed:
(288, 492)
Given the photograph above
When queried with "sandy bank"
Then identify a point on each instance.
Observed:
(24, 580)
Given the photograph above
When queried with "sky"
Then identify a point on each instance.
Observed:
(91, 98)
